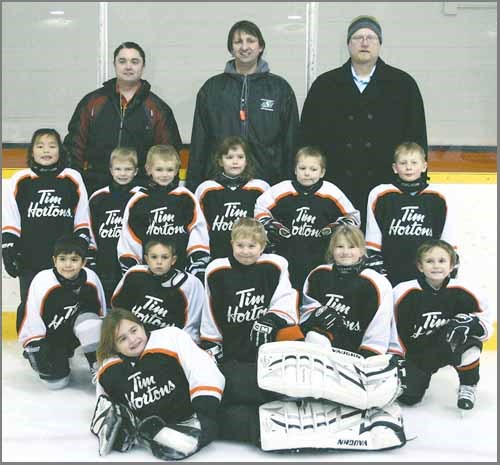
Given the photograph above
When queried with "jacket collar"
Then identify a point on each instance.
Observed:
(262, 68)
(381, 72)
(142, 91)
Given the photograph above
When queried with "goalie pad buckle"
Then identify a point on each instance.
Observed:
(301, 370)
(311, 424)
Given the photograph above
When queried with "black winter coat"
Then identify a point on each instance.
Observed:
(98, 126)
(359, 131)
(270, 126)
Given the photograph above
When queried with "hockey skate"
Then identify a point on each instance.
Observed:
(312, 424)
(466, 397)
(302, 370)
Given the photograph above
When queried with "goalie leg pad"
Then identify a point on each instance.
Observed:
(114, 426)
(300, 370)
(312, 424)
(170, 442)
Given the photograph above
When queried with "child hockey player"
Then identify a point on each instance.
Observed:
(251, 304)
(402, 215)
(106, 213)
(300, 214)
(441, 321)
(347, 302)
(156, 389)
(159, 294)
(42, 203)
(231, 194)
(62, 312)
(164, 209)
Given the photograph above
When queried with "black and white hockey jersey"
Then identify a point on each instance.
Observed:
(176, 299)
(106, 216)
(172, 213)
(237, 295)
(38, 209)
(398, 222)
(222, 206)
(51, 307)
(171, 372)
(365, 302)
(304, 212)
(421, 312)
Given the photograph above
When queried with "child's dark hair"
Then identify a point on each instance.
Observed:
(71, 243)
(248, 27)
(46, 132)
(110, 324)
(431, 244)
(311, 151)
(130, 45)
(223, 148)
(168, 243)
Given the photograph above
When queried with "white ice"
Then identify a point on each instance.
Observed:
(53, 426)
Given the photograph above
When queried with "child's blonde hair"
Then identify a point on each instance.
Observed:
(311, 151)
(163, 153)
(124, 154)
(408, 147)
(351, 234)
(249, 228)
(430, 244)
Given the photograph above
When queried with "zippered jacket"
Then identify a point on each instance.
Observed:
(99, 125)
(260, 107)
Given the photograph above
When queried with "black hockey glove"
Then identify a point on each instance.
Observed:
(11, 255)
(324, 320)
(350, 220)
(170, 441)
(275, 230)
(38, 354)
(454, 271)
(114, 425)
(460, 328)
(198, 262)
(91, 259)
(375, 261)
(266, 328)
(126, 263)
(214, 349)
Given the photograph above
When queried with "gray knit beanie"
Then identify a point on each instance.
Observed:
(360, 22)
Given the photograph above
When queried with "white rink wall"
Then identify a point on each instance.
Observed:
(475, 208)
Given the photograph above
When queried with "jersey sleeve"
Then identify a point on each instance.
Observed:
(265, 203)
(373, 232)
(285, 299)
(123, 295)
(197, 229)
(129, 247)
(342, 202)
(32, 326)
(209, 330)
(378, 333)
(94, 279)
(195, 297)
(203, 376)
(11, 218)
(309, 303)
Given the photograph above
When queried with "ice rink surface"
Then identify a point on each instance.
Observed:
(53, 426)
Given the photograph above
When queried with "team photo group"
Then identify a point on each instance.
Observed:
(295, 290)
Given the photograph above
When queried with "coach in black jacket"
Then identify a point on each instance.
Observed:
(249, 101)
(122, 113)
(358, 113)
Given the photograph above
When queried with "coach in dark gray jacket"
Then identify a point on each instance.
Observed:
(245, 100)
(358, 113)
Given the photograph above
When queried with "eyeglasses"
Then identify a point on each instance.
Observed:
(370, 39)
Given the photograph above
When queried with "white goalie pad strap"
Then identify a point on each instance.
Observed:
(286, 425)
(300, 370)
